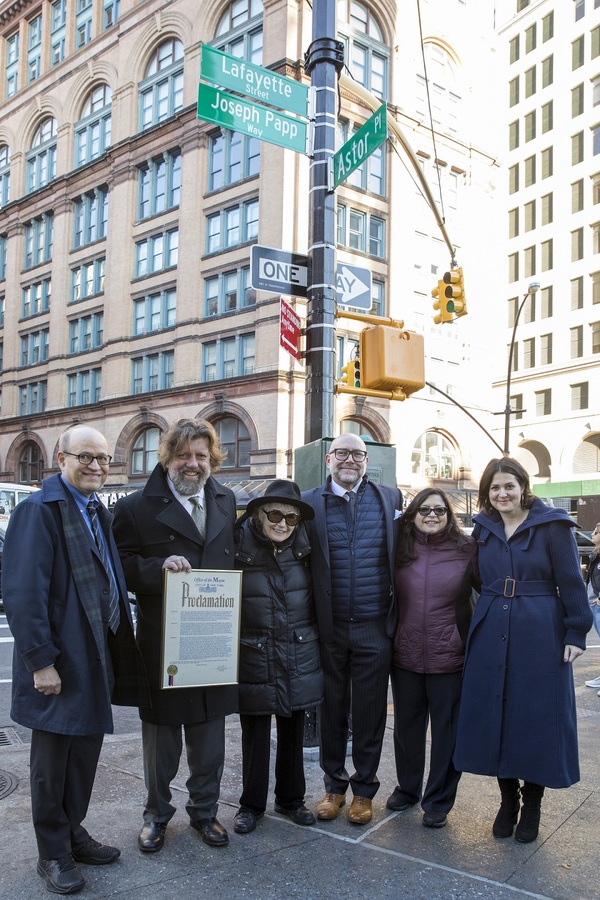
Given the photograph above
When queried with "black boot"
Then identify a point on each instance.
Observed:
(508, 813)
(529, 823)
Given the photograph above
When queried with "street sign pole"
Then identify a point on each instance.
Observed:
(324, 59)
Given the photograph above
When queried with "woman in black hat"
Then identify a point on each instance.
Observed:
(280, 668)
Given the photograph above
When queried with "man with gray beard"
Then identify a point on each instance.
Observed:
(183, 519)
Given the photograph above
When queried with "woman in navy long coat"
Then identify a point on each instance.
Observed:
(517, 718)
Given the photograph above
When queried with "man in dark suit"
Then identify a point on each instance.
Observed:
(352, 539)
(182, 520)
(66, 604)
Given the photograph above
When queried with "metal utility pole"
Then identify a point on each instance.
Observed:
(532, 289)
(323, 61)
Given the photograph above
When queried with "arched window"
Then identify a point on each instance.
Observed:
(433, 457)
(367, 55)
(443, 89)
(144, 452)
(161, 91)
(235, 439)
(31, 464)
(4, 174)
(587, 456)
(353, 426)
(92, 132)
(241, 25)
(41, 159)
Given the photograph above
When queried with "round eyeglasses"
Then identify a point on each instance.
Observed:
(438, 511)
(86, 458)
(275, 516)
(342, 454)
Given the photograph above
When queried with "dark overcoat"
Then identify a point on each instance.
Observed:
(53, 584)
(391, 504)
(280, 663)
(149, 526)
(517, 717)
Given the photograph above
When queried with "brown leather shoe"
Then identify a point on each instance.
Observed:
(360, 811)
(329, 807)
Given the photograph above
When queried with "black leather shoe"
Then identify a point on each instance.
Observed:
(398, 801)
(94, 854)
(300, 816)
(152, 837)
(434, 820)
(245, 821)
(212, 832)
(61, 875)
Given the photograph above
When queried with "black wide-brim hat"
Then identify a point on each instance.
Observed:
(282, 490)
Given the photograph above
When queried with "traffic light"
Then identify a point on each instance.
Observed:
(440, 307)
(351, 373)
(392, 359)
(456, 303)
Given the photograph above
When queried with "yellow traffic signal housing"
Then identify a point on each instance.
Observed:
(351, 373)
(392, 359)
(455, 292)
(440, 307)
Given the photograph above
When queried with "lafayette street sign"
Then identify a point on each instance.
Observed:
(254, 82)
(241, 115)
(366, 140)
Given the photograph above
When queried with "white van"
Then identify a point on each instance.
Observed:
(10, 495)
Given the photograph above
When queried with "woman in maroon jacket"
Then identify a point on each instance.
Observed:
(434, 573)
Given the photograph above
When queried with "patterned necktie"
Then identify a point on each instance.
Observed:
(113, 606)
(351, 498)
(198, 515)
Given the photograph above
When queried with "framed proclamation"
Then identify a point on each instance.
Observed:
(201, 628)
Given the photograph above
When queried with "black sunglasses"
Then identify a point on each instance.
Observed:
(438, 511)
(275, 516)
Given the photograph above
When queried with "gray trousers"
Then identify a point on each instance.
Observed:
(205, 751)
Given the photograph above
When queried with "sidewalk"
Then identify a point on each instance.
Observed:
(394, 856)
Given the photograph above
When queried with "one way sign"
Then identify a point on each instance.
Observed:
(354, 286)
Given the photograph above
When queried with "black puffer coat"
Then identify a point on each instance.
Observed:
(280, 666)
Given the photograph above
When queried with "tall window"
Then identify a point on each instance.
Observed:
(546, 349)
(577, 53)
(228, 358)
(367, 53)
(41, 159)
(159, 184)
(83, 23)
(232, 157)
(31, 463)
(36, 298)
(239, 31)
(577, 148)
(90, 217)
(144, 453)
(161, 91)
(38, 240)
(231, 227)
(11, 49)
(4, 174)
(228, 292)
(154, 312)
(579, 396)
(543, 402)
(547, 71)
(32, 398)
(577, 244)
(234, 438)
(93, 131)
(546, 302)
(152, 372)
(155, 253)
(34, 347)
(86, 333)
(577, 293)
(111, 13)
(576, 342)
(87, 280)
(360, 231)
(34, 48)
(3, 244)
(84, 387)
(58, 20)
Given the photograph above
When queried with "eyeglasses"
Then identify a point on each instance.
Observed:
(438, 511)
(342, 454)
(275, 516)
(86, 458)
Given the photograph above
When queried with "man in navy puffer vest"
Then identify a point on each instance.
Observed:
(352, 538)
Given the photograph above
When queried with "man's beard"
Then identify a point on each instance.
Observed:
(184, 485)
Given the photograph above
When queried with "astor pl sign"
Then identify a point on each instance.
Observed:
(366, 140)
(252, 81)
(247, 117)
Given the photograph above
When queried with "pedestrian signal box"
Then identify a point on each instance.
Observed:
(392, 359)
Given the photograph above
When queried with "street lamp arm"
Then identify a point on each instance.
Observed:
(532, 289)
(466, 411)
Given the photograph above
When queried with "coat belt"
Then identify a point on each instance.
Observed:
(510, 587)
